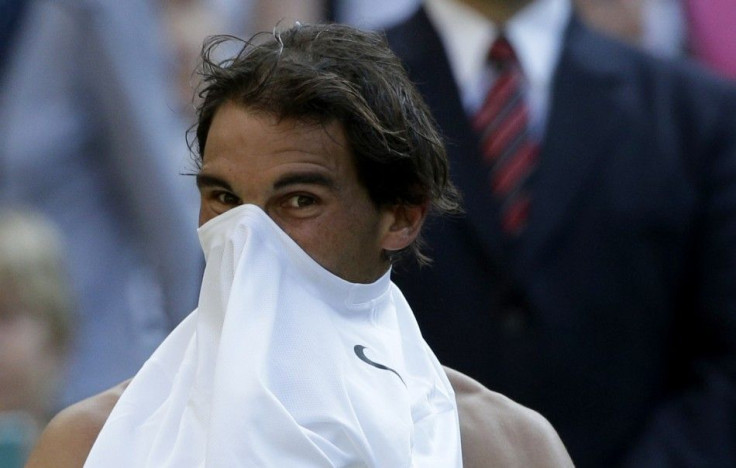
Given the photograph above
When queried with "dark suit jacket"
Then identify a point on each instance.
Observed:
(614, 315)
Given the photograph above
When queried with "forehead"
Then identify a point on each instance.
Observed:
(243, 137)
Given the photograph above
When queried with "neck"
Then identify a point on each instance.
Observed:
(498, 11)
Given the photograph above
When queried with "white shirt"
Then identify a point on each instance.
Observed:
(284, 364)
(536, 33)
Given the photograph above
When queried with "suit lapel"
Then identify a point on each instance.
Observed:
(585, 124)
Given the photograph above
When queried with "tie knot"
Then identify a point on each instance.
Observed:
(501, 52)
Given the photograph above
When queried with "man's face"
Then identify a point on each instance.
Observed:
(304, 177)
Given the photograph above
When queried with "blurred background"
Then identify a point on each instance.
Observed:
(99, 258)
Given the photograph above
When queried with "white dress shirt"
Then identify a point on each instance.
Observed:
(535, 32)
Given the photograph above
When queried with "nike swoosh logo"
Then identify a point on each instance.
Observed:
(360, 352)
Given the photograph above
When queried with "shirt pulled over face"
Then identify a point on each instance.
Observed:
(284, 364)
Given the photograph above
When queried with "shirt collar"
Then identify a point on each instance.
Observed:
(536, 33)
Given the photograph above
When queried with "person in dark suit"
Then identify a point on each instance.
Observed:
(611, 309)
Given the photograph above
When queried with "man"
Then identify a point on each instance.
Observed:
(318, 164)
(611, 308)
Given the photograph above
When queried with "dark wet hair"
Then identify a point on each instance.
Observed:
(329, 72)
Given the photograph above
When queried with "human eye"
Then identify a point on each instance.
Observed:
(226, 198)
(298, 201)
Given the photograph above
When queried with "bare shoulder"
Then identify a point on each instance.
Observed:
(499, 432)
(68, 438)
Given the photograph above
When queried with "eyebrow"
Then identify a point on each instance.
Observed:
(204, 180)
(312, 178)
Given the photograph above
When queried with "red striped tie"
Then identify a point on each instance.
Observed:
(506, 145)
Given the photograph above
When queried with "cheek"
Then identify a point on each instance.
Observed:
(346, 245)
(314, 236)
(344, 239)
(323, 239)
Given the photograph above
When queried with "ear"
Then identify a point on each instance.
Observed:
(403, 224)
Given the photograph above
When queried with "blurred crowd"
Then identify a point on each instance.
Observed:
(99, 257)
